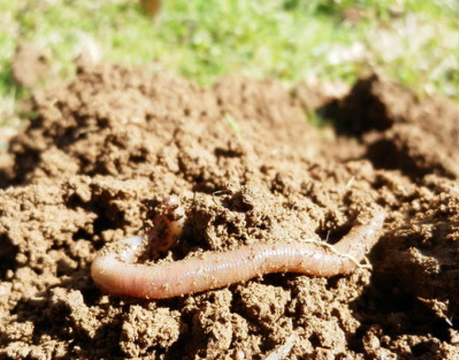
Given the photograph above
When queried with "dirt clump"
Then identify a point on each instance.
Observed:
(31, 66)
(248, 167)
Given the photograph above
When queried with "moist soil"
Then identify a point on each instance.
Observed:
(248, 166)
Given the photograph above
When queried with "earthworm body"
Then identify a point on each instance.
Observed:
(116, 274)
(167, 228)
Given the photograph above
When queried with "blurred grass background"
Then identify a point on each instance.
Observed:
(416, 41)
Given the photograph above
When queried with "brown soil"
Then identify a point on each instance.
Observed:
(247, 165)
(31, 66)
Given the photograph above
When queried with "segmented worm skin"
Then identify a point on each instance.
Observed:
(167, 228)
(117, 275)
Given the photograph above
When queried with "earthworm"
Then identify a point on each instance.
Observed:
(167, 228)
(116, 274)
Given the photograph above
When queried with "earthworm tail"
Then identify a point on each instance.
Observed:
(115, 275)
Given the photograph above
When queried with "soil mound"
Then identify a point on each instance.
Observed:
(105, 149)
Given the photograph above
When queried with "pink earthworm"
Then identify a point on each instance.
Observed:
(116, 274)
(167, 228)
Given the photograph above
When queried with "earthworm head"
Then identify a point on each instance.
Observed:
(167, 227)
(171, 202)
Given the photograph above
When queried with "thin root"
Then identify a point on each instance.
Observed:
(365, 265)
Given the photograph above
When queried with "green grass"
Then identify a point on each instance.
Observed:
(204, 40)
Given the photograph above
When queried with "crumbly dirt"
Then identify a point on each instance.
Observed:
(31, 66)
(248, 167)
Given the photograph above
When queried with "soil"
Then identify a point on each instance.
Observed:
(105, 149)
(31, 66)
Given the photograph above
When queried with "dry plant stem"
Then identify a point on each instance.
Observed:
(282, 351)
(115, 275)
